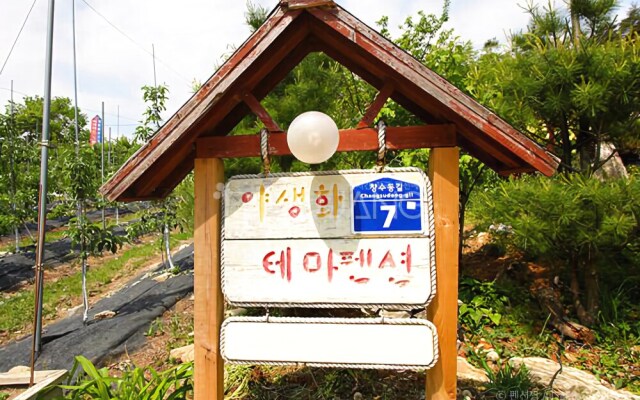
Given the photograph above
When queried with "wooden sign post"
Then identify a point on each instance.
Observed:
(209, 303)
(443, 310)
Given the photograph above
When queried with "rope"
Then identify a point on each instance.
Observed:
(382, 145)
(350, 321)
(264, 150)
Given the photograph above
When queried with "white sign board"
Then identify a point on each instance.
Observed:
(321, 342)
(347, 239)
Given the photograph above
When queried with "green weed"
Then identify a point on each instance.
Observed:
(136, 384)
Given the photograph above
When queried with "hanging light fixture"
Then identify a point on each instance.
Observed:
(313, 137)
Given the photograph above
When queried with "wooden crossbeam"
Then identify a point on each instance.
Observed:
(375, 107)
(398, 138)
(261, 112)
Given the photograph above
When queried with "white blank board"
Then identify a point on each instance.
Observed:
(322, 342)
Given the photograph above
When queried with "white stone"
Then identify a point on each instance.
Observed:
(183, 354)
(467, 372)
(492, 356)
(19, 368)
(105, 315)
(571, 382)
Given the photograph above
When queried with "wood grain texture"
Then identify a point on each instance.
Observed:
(443, 310)
(209, 302)
(376, 105)
(261, 112)
(366, 139)
(317, 342)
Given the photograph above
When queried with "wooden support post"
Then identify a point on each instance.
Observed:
(209, 303)
(443, 309)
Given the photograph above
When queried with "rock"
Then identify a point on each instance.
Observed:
(467, 372)
(395, 314)
(73, 310)
(183, 354)
(162, 277)
(613, 168)
(234, 312)
(571, 382)
(483, 238)
(492, 356)
(104, 315)
(19, 368)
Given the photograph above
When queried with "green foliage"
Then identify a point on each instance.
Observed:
(482, 304)
(156, 97)
(255, 15)
(570, 81)
(94, 239)
(136, 384)
(580, 225)
(567, 217)
(508, 381)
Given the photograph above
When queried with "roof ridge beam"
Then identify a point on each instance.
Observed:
(300, 4)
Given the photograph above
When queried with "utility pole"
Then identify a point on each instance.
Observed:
(42, 203)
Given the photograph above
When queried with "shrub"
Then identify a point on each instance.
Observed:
(579, 224)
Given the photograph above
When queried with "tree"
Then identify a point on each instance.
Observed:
(570, 80)
(167, 218)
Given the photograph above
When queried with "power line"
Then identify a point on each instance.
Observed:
(14, 91)
(17, 37)
(120, 31)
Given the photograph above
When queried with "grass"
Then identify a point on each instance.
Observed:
(25, 241)
(17, 308)
(523, 332)
(302, 383)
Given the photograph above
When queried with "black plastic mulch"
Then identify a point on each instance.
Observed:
(136, 305)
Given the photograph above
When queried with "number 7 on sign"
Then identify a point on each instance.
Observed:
(391, 212)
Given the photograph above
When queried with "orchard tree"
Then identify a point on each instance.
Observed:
(167, 219)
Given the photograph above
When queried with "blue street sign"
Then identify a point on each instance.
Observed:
(387, 205)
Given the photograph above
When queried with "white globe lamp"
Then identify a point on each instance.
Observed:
(313, 137)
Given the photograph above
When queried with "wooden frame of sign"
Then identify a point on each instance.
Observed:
(209, 300)
(291, 240)
(200, 129)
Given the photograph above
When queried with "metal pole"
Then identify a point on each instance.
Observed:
(118, 137)
(42, 203)
(12, 172)
(75, 77)
(104, 222)
(79, 205)
(109, 148)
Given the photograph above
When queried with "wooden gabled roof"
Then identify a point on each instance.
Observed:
(293, 30)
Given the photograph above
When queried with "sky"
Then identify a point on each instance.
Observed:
(191, 38)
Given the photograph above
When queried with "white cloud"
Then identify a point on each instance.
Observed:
(191, 36)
